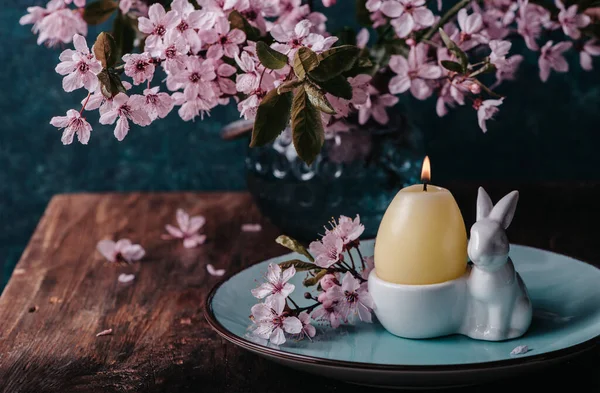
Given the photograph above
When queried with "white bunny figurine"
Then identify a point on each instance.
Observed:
(498, 306)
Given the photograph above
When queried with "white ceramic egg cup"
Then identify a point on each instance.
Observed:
(489, 302)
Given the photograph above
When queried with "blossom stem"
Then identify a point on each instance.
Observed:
(449, 14)
(85, 103)
(487, 90)
(362, 260)
(308, 309)
(351, 259)
(294, 303)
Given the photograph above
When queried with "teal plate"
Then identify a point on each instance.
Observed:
(566, 298)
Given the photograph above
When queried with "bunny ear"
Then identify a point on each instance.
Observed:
(484, 204)
(504, 210)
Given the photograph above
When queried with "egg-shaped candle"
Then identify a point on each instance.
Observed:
(422, 237)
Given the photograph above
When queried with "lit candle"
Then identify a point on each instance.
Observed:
(422, 237)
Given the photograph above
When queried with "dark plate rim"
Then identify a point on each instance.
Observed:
(517, 361)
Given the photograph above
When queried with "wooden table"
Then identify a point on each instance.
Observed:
(62, 293)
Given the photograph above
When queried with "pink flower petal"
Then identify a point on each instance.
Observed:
(391, 8)
(125, 278)
(214, 272)
(251, 227)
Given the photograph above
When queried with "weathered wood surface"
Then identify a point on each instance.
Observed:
(62, 293)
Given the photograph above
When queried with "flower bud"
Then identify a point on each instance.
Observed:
(328, 281)
(307, 295)
(475, 88)
(411, 42)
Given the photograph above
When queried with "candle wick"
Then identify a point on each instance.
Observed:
(424, 186)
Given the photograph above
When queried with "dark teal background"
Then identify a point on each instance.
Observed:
(544, 132)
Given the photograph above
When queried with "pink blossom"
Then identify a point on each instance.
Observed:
(125, 5)
(122, 251)
(78, 3)
(328, 312)
(191, 20)
(255, 12)
(271, 322)
(157, 25)
(588, 50)
(224, 83)
(375, 107)
(55, 23)
(158, 104)
(499, 51)
(362, 38)
(222, 41)
(73, 124)
(508, 70)
(214, 272)
(188, 229)
(194, 79)
(249, 106)
(551, 57)
(288, 41)
(360, 95)
(570, 20)
(291, 12)
(80, 66)
(328, 3)
(407, 15)
(126, 108)
(327, 281)
(352, 298)
(327, 251)
(413, 73)
(193, 105)
(369, 266)
(139, 67)
(470, 26)
(277, 288)
(347, 229)
(486, 110)
(529, 22)
(173, 51)
(308, 330)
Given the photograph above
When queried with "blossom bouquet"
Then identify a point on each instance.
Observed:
(278, 63)
(337, 269)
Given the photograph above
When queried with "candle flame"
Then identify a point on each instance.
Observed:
(426, 170)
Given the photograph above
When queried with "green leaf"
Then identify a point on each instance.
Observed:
(105, 50)
(452, 47)
(124, 35)
(338, 86)
(99, 11)
(318, 99)
(335, 61)
(307, 128)
(110, 83)
(313, 280)
(237, 21)
(305, 60)
(452, 66)
(288, 86)
(298, 265)
(363, 15)
(269, 57)
(294, 245)
(272, 117)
